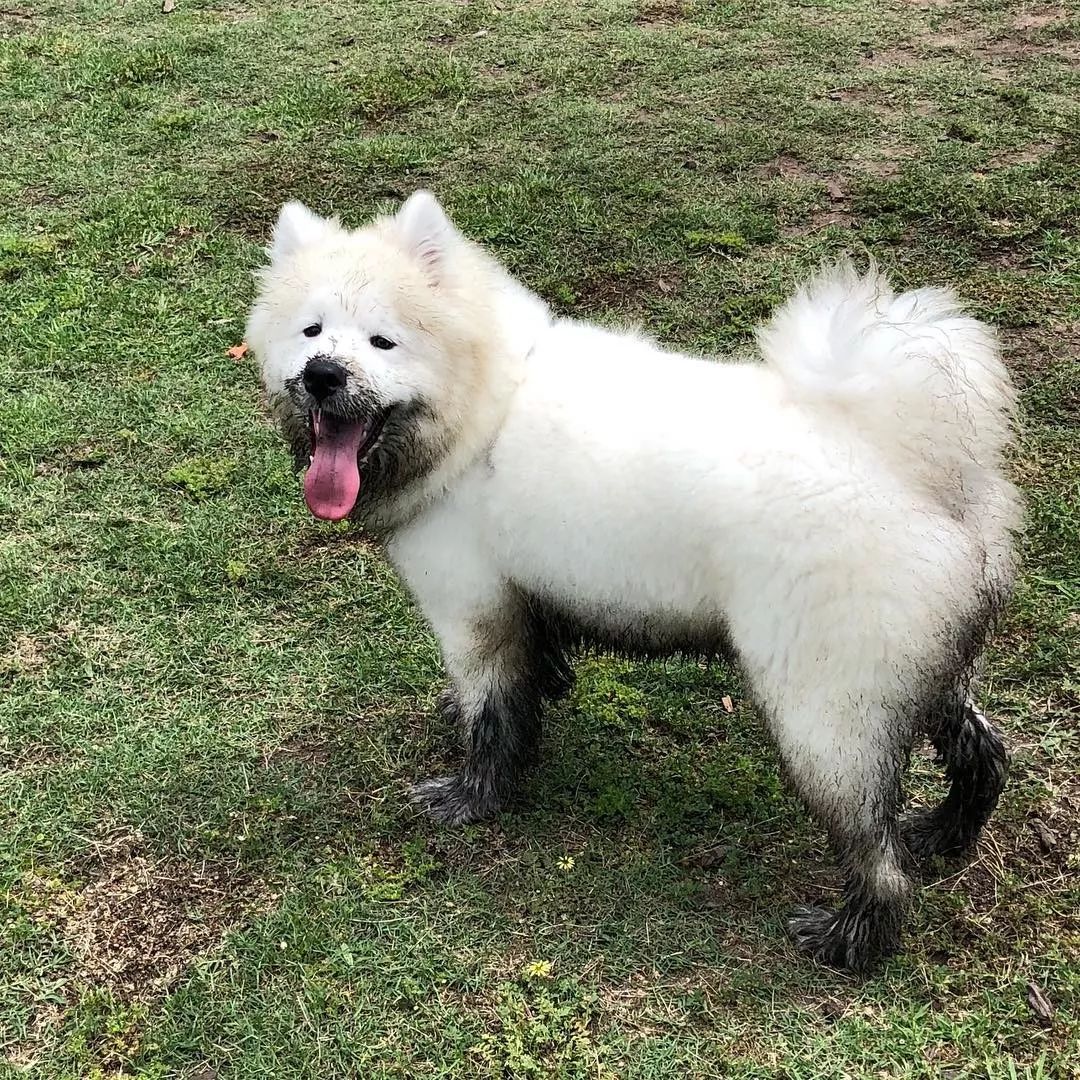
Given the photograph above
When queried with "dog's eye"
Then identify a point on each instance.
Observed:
(381, 342)
(314, 330)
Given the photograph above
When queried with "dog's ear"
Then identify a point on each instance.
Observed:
(426, 232)
(297, 227)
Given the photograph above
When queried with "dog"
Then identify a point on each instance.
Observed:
(833, 516)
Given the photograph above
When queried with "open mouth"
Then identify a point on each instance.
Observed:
(338, 446)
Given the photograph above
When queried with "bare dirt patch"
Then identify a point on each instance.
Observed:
(1026, 155)
(1032, 354)
(890, 59)
(309, 749)
(999, 54)
(36, 194)
(1007, 51)
(660, 13)
(141, 924)
(786, 167)
(833, 208)
(991, 49)
(1040, 852)
(25, 655)
(621, 292)
(1039, 17)
(141, 921)
(884, 168)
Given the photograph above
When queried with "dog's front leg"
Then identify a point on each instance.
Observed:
(504, 657)
(496, 699)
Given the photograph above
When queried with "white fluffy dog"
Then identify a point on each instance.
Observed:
(834, 519)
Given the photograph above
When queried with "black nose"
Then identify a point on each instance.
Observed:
(323, 377)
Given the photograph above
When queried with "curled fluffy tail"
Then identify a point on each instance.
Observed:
(916, 378)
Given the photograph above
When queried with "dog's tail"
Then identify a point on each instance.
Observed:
(917, 378)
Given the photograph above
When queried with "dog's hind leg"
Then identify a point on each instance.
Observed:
(848, 770)
(503, 666)
(976, 765)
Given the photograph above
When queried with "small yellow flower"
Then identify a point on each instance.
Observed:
(566, 864)
(537, 969)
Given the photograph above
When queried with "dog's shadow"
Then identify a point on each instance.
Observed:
(642, 826)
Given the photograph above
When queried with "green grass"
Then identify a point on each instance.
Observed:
(212, 704)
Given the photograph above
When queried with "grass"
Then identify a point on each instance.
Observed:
(211, 703)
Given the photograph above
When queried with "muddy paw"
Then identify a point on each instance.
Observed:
(837, 940)
(448, 706)
(448, 799)
(932, 834)
(814, 931)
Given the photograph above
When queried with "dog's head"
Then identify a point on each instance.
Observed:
(373, 346)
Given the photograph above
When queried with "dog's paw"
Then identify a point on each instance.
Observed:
(450, 801)
(932, 834)
(813, 930)
(448, 706)
(831, 939)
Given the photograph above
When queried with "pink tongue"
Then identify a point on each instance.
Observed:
(332, 482)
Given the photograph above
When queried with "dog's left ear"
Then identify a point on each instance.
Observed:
(297, 227)
(426, 232)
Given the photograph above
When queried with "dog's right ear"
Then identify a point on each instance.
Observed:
(297, 227)
(426, 231)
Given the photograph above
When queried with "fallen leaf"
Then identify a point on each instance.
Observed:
(1042, 1010)
(663, 285)
(710, 858)
(238, 352)
(168, 7)
(1046, 836)
(728, 703)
